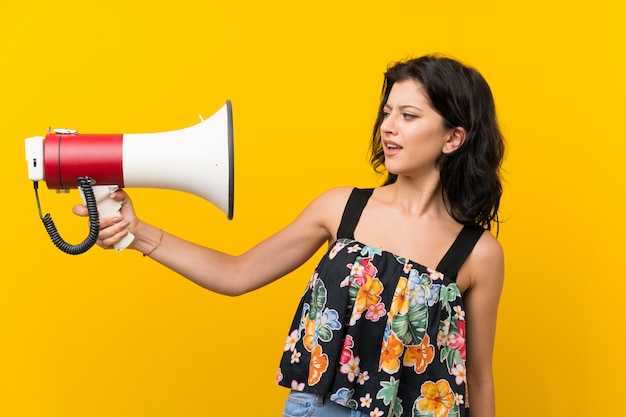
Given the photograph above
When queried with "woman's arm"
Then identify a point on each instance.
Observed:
(227, 274)
(485, 268)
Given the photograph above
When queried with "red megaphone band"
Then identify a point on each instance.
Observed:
(69, 156)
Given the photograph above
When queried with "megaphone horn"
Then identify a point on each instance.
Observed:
(197, 159)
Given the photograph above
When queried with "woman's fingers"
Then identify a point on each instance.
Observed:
(80, 210)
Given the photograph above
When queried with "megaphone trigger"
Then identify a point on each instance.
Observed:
(108, 207)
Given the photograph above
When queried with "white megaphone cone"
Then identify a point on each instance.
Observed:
(198, 160)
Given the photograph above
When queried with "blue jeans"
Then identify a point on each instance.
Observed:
(303, 404)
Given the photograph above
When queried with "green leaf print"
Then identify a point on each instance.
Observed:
(353, 291)
(425, 279)
(396, 408)
(418, 317)
(389, 390)
(352, 403)
(401, 260)
(411, 326)
(389, 394)
(400, 326)
(370, 251)
(318, 299)
(447, 294)
(450, 356)
(324, 334)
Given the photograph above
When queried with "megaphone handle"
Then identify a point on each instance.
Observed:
(109, 207)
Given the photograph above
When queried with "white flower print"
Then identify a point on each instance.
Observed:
(363, 376)
(458, 370)
(366, 401)
(376, 413)
(354, 248)
(351, 368)
(297, 386)
(292, 339)
(336, 249)
(459, 313)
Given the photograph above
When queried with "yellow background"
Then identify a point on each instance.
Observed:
(107, 334)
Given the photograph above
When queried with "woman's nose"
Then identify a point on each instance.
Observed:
(388, 125)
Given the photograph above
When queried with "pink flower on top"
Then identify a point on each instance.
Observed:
(457, 340)
(361, 270)
(346, 353)
(375, 311)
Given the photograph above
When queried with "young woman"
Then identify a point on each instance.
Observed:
(399, 316)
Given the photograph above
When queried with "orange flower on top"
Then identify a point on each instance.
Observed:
(437, 398)
(309, 338)
(369, 293)
(419, 356)
(389, 357)
(400, 301)
(318, 365)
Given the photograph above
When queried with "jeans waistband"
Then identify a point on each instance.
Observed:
(318, 399)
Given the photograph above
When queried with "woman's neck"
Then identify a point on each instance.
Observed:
(418, 197)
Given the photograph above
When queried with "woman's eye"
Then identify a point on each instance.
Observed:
(409, 116)
(385, 114)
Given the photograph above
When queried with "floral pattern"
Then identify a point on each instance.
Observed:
(379, 333)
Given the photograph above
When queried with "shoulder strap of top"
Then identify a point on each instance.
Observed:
(460, 250)
(352, 213)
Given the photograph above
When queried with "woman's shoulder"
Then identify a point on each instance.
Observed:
(327, 208)
(331, 201)
(334, 196)
(488, 248)
(486, 261)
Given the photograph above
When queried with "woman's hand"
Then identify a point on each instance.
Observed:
(114, 228)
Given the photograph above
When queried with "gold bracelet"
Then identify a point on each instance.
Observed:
(157, 245)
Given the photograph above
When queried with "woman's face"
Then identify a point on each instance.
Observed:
(412, 132)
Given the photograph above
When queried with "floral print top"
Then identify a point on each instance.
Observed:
(379, 333)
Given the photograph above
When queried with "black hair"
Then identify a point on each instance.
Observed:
(470, 176)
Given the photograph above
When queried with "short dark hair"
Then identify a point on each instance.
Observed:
(470, 176)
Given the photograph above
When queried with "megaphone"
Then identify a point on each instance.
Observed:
(196, 159)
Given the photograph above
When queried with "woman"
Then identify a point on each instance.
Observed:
(399, 317)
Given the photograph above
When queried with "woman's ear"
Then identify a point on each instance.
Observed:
(455, 139)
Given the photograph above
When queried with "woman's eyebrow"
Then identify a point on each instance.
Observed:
(404, 107)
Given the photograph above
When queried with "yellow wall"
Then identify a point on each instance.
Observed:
(106, 334)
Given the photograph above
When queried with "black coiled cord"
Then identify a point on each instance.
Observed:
(94, 221)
